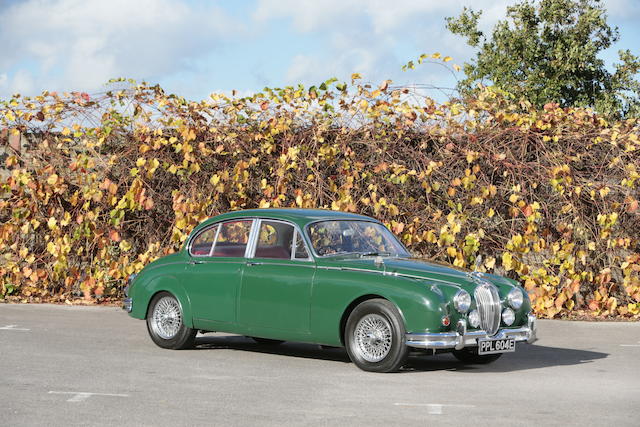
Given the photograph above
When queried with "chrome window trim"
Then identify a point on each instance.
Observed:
(253, 232)
(215, 239)
(296, 228)
(308, 235)
(294, 241)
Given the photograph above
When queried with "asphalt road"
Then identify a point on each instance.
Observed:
(64, 365)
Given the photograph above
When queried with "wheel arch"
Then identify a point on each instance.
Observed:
(172, 286)
(347, 312)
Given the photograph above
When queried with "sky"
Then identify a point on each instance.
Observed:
(196, 47)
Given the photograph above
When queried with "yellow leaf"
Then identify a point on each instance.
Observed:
(52, 223)
(507, 261)
(53, 178)
(456, 67)
(447, 58)
(264, 204)
(490, 262)
(436, 55)
(124, 246)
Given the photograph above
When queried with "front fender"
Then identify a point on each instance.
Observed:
(420, 306)
(144, 290)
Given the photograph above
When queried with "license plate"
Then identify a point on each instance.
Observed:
(503, 345)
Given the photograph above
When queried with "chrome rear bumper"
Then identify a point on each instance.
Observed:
(127, 305)
(461, 338)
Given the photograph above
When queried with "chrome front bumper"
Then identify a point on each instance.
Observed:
(461, 338)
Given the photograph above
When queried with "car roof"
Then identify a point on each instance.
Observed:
(301, 217)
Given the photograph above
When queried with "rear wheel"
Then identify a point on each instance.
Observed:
(165, 323)
(375, 336)
(470, 355)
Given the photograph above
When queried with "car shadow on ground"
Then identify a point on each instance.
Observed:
(293, 349)
(526, 356)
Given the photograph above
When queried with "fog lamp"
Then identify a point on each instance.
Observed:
(474, 319)
(508, 316)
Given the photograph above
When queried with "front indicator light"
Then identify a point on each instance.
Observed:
(508, 316)
(446, 321)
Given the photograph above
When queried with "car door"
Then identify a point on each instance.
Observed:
(275, 294)
(214, 274)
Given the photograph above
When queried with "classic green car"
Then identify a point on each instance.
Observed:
(325, 277)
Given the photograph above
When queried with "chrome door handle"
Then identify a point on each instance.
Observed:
(195, 261)
(254, 263)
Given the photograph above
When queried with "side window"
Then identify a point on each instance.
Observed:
(274, 240)
(201, 245)
(232, 239)
(301, 250)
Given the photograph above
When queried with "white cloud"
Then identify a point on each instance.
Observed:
(192, 46)
(374, 37)
(80, 44)
(383, 15)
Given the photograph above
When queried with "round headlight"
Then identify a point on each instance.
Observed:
(462, 301)
(508, 316)
(515, 298)
(474, 318)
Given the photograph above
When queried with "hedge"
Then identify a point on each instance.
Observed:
(110, 182)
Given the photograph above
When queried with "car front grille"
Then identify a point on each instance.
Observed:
(488, 302)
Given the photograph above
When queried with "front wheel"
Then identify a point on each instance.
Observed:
(470, 355)
(165, 323)
(375, 337)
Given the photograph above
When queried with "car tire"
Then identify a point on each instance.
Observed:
(375, 336)
(165, 323)
(471, 356)
(266, 341)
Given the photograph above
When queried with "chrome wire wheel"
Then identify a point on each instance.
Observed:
(373, 338)
(166, 318)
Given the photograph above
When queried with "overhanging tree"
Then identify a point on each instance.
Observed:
(547, 51)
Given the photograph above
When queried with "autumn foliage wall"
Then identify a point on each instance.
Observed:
(110, 182)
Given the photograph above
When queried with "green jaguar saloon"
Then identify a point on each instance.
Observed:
(330, 278)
